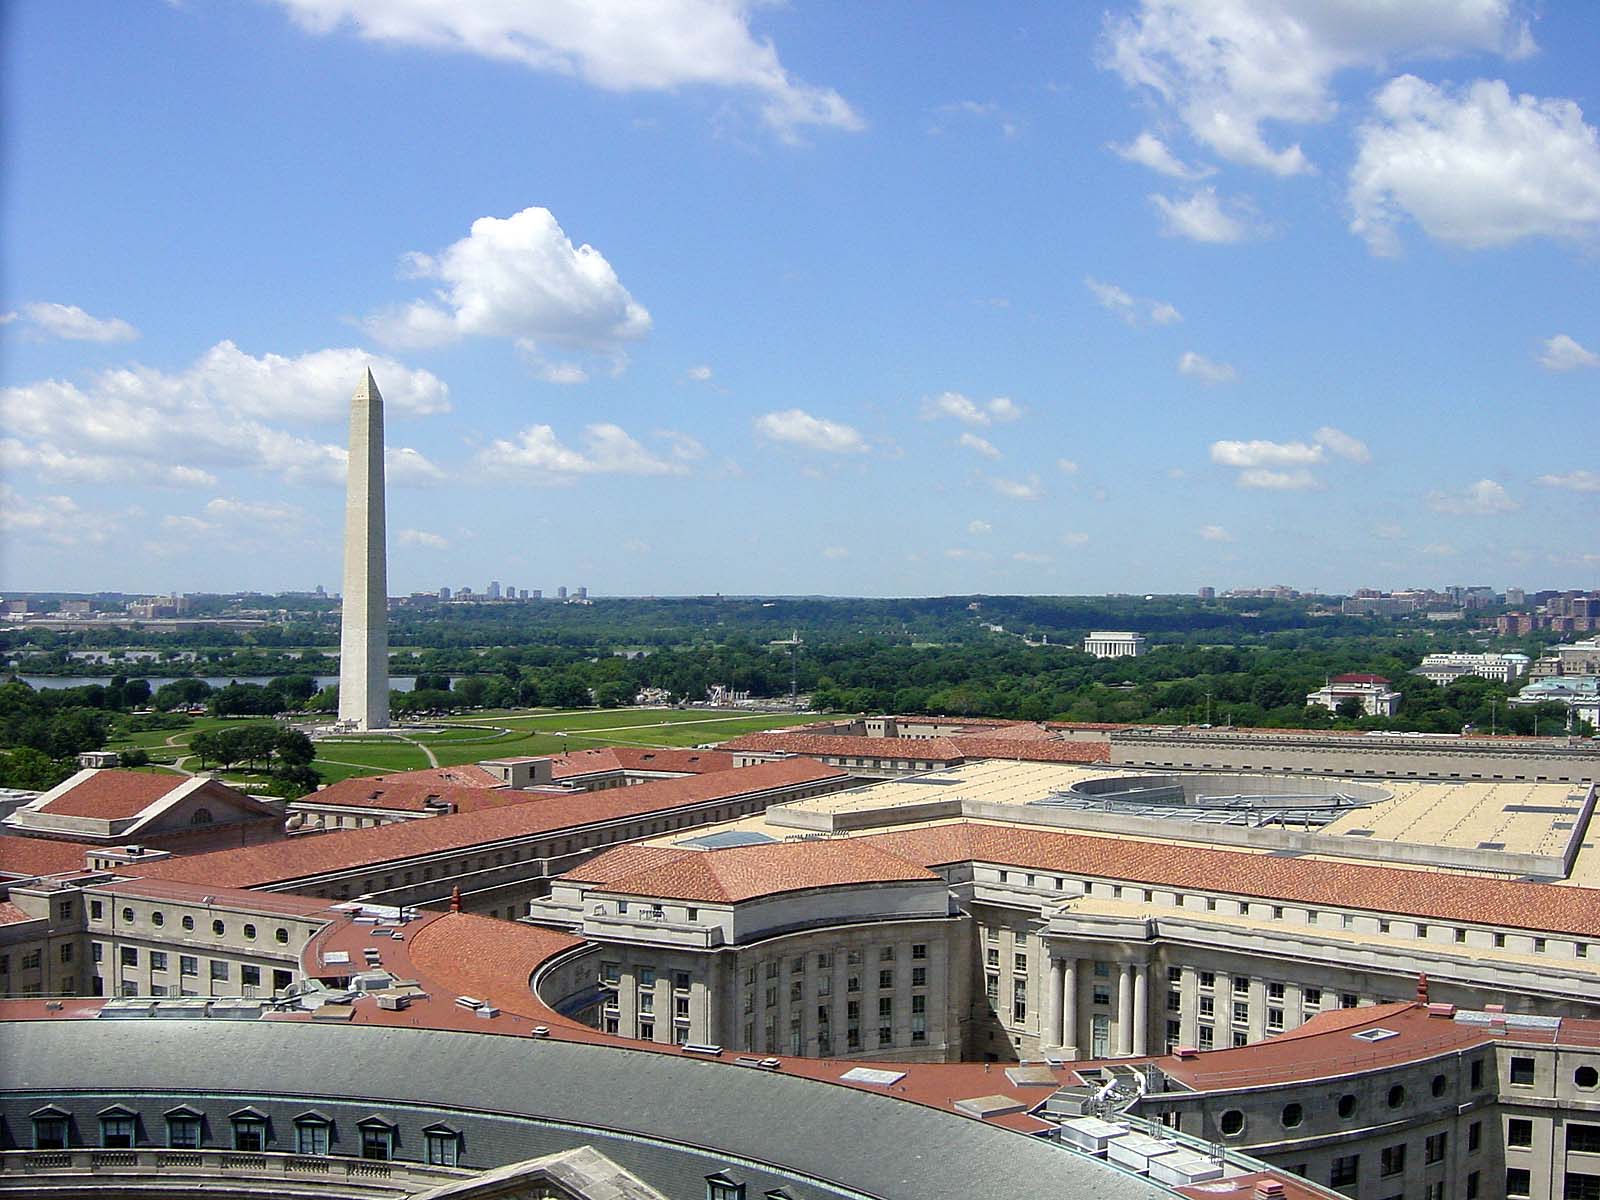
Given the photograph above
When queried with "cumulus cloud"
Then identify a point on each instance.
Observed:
(699, 374)
(835, 552)
(1562, 353)
(979, 445)
(517, 277)
(1074, 538)
(1198, 366)
(607, 449)
(1278, 481)
(1214, 533)
(136, 422)
(421, 537)
(1226, 69)
(1066, 466)
(979, 527)
(267, 512)
(1486, 498)
(968, 411)
(70, 323)
(1342, 445)
(1147, 150)
(1572, 481)
(1134, 311)
(52, 520)
(1285, 466)
(610, 44)
(1475, 167)
(187, 525)
(1031, 557)
(1202, 217)
(796, 427)
(1017, 489)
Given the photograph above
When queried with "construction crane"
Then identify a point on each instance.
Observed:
(794, 642)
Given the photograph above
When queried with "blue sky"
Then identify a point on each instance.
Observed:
(890, 299)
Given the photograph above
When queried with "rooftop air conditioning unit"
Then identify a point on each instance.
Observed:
(540, 1031)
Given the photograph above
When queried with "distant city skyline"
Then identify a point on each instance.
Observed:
(897, 300)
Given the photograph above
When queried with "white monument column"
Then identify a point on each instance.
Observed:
(364, 631)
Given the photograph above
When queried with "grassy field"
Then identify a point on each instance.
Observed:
(455, 740)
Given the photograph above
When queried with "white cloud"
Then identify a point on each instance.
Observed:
(610, 44)
(969, 411)
(71, 323)
(175, 428)
(835, 552)
(1117, 300)
(192, 526)
(1017, 489)
(1475, 167)
(682, 446)
(796, 427)
(1485, 498)
(406, 467)
(1066, 466)
(266, 512)
(979, 527)
(1562, 353)
(1028, 556)
(1389, 532)
(1264, 454)
(1198, 366)
(517, 277)
(607, 450)
(1147, 150)
(1439, 550)
(1201, 218)
(700, 374)
(561, 373)
(1227, 68)
(54, 520)
(1572, 481)
(1074, 539)
(1342, 445)
(1277, 481)
(421, 537)
(983, 446)
(1214, 533)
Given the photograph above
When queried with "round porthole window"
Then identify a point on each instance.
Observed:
(1293, 1114)
(1231, 1123)
(1586, 1077)
(1347, 1105)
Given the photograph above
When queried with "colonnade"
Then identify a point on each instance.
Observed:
(1061, 1027)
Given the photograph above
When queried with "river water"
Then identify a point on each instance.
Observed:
(397, 683)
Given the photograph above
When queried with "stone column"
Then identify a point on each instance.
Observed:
(1069, 1007)
(1050, 1027)
(1125, 1011)
(1141, 1008)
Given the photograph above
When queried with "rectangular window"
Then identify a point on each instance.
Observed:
(49, 1133)
(852, 958)
(1019, 962)
(250, 976)
(1519, 1132)
(1521, 1072)
(1207, 1037)
(1476, 1073)
(183, 1132)
(1518, 1181)
(188, 965)
(1275, 991)
(886, 978)
(1344, 1170)
(610, 972)
(919, 950)
(1584, 1138)
(97, 910)
(116, 1133)
(219, 971)
(1101, 994)
(647, 975)
(1474, 1137)
(377, 1142)
(991, 988)
(129, 956)
(919, 976)
(1174, 1001)
(1581, 1187)
(1312, 997)
(158, 960)
(1241, 985)
(66, 952)
(1019, 1000)
(1241, 1014)
(311, 1137)
(1208, 1006)
(1434, 1146)
(1208, 979)
(249, 1134)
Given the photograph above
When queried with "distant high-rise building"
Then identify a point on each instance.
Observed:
(561, 592)
(1516, 597)
(583, 593)
(364, 627)
(494, 589)
(444, 593)
(538, 593)
(1208, 593)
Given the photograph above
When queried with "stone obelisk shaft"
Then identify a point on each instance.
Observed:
(364, 634)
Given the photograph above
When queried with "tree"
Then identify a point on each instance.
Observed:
(181, 693)
(136, 693)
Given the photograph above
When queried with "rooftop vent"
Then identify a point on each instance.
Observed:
(1375, 1035)
(539, 1031)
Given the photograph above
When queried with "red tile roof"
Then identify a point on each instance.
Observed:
(277, 903)
(638, 758)
(747, 872)
(319, 854)
(111, 795)
(487, 958)
(940, 750)
(1437, 895)
(460, 775)
(403, 793)
(42, 856)
(10, 914)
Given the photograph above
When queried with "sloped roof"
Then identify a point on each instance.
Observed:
(107, 795)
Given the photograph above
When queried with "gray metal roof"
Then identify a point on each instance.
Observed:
(858, 1141)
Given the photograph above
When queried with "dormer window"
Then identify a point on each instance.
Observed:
(312, 1133)
(50, 1129)
(183, 1129)
(249, 1130)
(377, 1139)
(443, 1145)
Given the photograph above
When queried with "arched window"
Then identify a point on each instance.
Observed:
(202, 816)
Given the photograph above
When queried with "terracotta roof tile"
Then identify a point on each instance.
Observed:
(10, 914)
(747, 872)
(42, 856)
(403, 793)
(319, 854)
(486, 958)
(1437, 895)
(110, 795)
(940, 750)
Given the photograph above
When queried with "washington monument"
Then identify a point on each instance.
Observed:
(364, 632)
